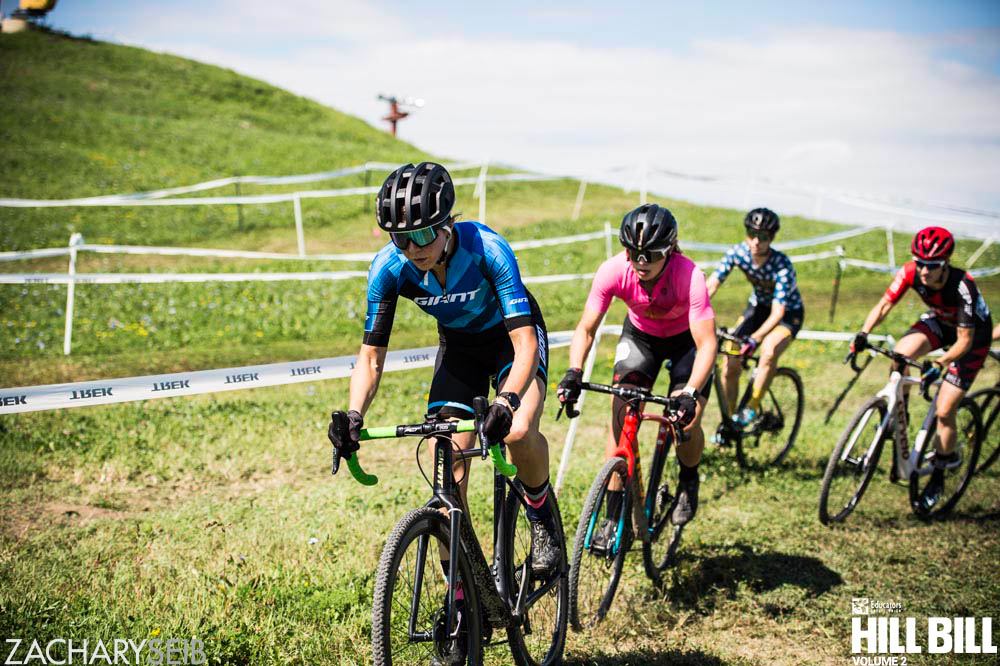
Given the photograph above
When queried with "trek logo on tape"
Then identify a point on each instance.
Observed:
(172, 386)
(311, 370)
(416, 358)
(240, 379)
(86, 394)
(13, 400)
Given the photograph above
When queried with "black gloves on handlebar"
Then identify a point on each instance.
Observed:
(496, 425)
(684, 414)
(859, 343)
(345, 434)
(931, 373)
(569, 389)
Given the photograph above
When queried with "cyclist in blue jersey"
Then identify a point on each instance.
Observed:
(490, 328)
(774, 313)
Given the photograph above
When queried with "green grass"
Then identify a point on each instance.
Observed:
(194, 516)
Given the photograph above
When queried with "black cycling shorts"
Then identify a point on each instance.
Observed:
(468, 364)
(755, 315)
(961, 373)
(640, 356)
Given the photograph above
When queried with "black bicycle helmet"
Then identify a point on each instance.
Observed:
(415, 197)
(762, 219)
(649, 227)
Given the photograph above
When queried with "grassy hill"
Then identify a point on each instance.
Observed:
(196, 517)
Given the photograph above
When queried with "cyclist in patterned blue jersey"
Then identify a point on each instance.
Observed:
(774, 313)
(490, 328)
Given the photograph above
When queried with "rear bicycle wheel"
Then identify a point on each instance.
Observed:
(989, 407)
(538, 636)
(408, 619)
(852, 463)
(969, 430)
(594, 572)
(769, 440)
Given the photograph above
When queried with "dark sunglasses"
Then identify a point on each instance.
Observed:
(929, 264)
(759, 235)
(645, 256)
(420, 238)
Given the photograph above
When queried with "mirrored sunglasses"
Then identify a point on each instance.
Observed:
(420, 237)
(929, 264)
(645, 256)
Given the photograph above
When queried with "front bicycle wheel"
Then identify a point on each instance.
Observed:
(771, 436)
(596, 564)
(538, 634)
(928, 501)
(989, 407)
(408, 617)
(852, 463)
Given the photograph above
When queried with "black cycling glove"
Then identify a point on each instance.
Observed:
(569, 388)
(496, 425)
(684, 414)
(859, 343)
(345, 434)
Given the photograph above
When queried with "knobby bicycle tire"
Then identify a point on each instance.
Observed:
(989, 406)
(595, 503)
(792, 421)
(415, 524)
(877, 407)
(967, 470)
(518, 632)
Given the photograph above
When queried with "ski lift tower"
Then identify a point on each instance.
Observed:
(395, 113)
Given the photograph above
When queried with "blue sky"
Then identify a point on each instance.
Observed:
(893, 98)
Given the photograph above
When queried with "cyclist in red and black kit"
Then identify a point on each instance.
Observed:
(958, 320)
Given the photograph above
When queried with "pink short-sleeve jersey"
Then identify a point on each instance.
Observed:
(678, 299)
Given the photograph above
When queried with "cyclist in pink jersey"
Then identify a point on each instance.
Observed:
(669, 318)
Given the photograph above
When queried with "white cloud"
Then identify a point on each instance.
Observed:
(858, 109)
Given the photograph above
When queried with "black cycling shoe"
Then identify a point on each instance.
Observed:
(450, 651)
(686, 502)
(545, 547)
(603, 538)
(932, 491)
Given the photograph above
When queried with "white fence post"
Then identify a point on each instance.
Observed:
(890, 250)
(480, 191)
(74, 240)
(644, 184)
(297, 204)
(578, 206)
(607, 239)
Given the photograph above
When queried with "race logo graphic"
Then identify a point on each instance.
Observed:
(859, 606)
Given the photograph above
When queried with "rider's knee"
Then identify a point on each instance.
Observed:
(519, 432)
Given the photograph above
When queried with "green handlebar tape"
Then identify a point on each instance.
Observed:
(506, 468)
(378, 433)
(359, 474)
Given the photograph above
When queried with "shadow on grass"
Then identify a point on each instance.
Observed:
(648, 658)
(699, 585)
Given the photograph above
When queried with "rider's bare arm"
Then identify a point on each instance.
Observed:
(963, 344)
(707, 344)
(525, 364)
(712, 283)
(583, 336)
(878, 313)
(777, 312)
(365, 377)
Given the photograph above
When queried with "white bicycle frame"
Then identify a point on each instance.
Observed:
(905, 464)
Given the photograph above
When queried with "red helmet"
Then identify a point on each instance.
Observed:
(932, 243)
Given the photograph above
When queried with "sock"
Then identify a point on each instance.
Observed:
(459, 592)
(614, 503)
(535, 498)
(754, 403)
(687, 473)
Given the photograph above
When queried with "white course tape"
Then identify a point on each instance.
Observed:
(34, 254)
(786, 245)
(131, 389)
(160, 278)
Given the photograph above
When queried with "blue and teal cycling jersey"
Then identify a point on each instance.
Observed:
(483, 287)
(773, 281)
